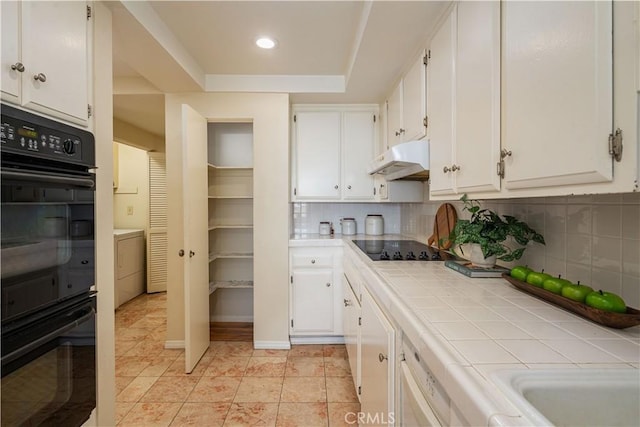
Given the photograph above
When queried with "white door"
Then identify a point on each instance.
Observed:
(556, 92)
(318, 155)
(357, 152)
(312, 302)
(377, 344)
(477, 95)
(157, 225)
(441, 105)
(54, 44)
(414, 93)
(196, 256)
(10, 79)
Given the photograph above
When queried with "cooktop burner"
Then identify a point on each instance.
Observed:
(400, 250)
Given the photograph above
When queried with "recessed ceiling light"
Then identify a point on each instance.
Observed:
(266, 43)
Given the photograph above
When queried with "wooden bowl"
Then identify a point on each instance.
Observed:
(606, 318)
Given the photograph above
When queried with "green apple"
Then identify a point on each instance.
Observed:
(606, 301)
(537, 279)
(555, 284)
(520, 272)
(576, 292)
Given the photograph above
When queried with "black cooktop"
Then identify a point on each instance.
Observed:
(401, 250)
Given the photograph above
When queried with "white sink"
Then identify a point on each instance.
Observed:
(574, 397)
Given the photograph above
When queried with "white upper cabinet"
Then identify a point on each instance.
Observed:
(477, 97)
(333, 147)
(317, 154)
(464, 100)
(45, 58)
(557, 92)
(406, 106)
(357, 152)
(414, 103)
(440, 105)
(11, 64)
(394, 117)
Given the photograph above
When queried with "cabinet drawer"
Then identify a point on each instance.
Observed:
(312, 260)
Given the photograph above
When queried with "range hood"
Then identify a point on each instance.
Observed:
(406, 161)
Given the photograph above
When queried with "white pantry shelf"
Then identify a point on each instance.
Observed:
(215, 167)
(230, 255)
(231, 227)
(230, 284)
(231, 197)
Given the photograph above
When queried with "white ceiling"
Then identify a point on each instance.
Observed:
(328, 51)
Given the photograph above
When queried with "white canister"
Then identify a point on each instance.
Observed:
(325, 228)
(374, 225)
(349, 226)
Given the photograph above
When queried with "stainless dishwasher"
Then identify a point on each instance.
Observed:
(423, 401)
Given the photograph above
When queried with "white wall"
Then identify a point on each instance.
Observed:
(594, 239)
(133, 188)
(270, 116)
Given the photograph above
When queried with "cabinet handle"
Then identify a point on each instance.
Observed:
(191, 254)
(504, 153)
(347, 302)
(348, 187)
(382, 357)
(446, 169)
(18, 66)
(455, 168)
(84, 261)
(335, 186)
(181, 252)
(328, 285)
(40, 77)
(313, 261)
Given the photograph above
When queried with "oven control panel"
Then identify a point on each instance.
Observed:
(24, 133)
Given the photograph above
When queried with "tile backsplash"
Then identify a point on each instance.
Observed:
(594, 239)
(306, 217)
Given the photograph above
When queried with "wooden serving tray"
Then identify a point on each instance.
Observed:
(606, 318)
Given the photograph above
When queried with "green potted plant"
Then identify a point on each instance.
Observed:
(486, 232)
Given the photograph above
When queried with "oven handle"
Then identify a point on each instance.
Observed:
(39, 177)
(48, 337)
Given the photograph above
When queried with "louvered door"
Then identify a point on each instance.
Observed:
(157, 229)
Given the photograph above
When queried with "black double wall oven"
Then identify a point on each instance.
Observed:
(48, 301)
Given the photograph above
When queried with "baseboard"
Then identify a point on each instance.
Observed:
(174, 344)
(272, 345)
(230, 318)
(317, 340)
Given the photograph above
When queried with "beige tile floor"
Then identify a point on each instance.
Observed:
(233, 384)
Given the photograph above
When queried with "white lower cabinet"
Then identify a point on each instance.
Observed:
(351, 327)
(316, 292)
(377, 337)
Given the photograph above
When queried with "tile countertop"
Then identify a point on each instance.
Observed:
(467, 328)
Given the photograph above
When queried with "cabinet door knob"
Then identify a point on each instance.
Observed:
(455, 168)
(505, 153)
(313, 261)
(328, 285)
(335, 186)
(40, 77)
(18, 66)
(349, 187)
(181, 252)
(347, 302)
(446, 169)
(382, 357)
(191, 254)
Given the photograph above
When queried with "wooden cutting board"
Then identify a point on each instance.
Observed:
(446, 217)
